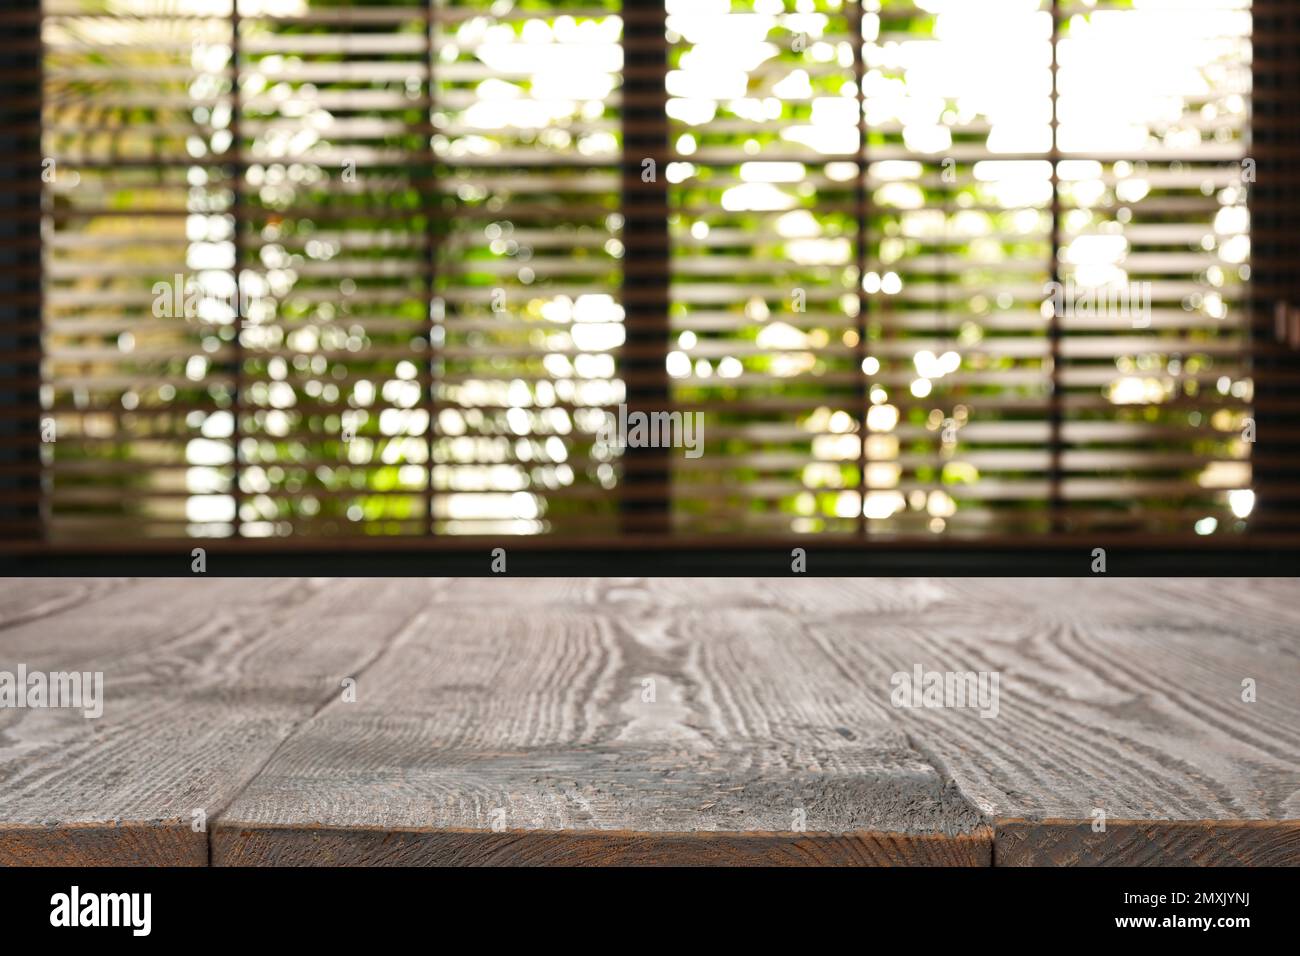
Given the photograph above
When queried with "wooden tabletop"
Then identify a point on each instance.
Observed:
(601, 720)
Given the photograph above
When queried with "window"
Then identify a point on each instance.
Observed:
(925, 269)
(830, 286)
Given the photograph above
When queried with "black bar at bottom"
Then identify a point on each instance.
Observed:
(951, 910)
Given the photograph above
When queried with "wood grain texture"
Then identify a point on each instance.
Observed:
(30, 599)
(507, 721)
(1121, 697)
(125, 843)
(323, 846)
(503, 709)
(1052, 842)
(202, 681)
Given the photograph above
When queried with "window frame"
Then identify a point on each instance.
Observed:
(645, 492)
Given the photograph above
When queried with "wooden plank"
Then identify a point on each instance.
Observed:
(203, 679)
(515, 724)
(1120, 697)
(503, 721)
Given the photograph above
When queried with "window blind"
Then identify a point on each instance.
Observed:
(1007, 300)
(331, 270)
(386, 240)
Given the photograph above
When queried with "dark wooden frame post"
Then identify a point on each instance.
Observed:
(645, 495)
(21, 200)
(1274, 199)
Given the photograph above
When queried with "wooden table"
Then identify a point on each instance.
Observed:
(597, 720)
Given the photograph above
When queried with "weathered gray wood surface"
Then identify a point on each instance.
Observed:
(1119, 697)
(203, 679)
(514, 724)
(508, 721)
